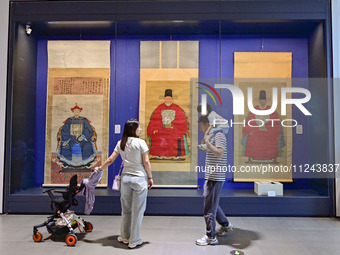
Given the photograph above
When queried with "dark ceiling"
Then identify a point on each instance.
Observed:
(172, 27)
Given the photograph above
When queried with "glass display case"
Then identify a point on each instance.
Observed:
(190, 48)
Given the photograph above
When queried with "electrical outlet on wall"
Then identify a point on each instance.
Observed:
(299, 129)
(117, 129)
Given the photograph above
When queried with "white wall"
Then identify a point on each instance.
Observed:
(336, 95)
(4, 13)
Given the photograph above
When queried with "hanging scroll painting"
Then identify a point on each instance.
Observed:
(167, 99)
(77, 109)
(262, 142)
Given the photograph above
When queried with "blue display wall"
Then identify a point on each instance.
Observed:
(216, 60)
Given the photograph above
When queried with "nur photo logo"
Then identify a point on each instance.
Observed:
(238, 104)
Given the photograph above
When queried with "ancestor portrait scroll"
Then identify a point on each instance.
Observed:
(167, 110)
(77, 109)
(261, 142)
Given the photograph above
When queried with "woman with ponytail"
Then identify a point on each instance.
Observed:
(136, 179)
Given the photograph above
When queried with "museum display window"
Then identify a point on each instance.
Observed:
(140, 59)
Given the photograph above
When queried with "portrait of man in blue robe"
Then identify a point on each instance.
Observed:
(76, 141)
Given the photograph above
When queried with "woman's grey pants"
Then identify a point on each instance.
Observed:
(134, 190)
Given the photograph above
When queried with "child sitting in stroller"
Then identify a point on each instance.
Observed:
(64, 221)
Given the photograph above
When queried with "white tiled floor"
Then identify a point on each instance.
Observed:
(170, 235)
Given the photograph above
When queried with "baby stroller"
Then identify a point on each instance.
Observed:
(64, 221)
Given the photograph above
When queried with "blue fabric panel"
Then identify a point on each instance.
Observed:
(40, 120)
(112, 114)
(124, 81)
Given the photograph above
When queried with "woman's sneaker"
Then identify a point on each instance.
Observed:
(223, 230)
(134, 245)
(120, 239)
(205, 240)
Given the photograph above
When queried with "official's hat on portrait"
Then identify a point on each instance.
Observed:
(76, 107)
(168, 93)
(262, 95)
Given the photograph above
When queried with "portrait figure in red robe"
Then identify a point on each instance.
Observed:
(167, 129)
(261, 141)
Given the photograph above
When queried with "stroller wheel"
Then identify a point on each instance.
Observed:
(71, 239)
(88, 227)
(37, 237)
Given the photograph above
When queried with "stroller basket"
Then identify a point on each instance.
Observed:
(63, 221)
